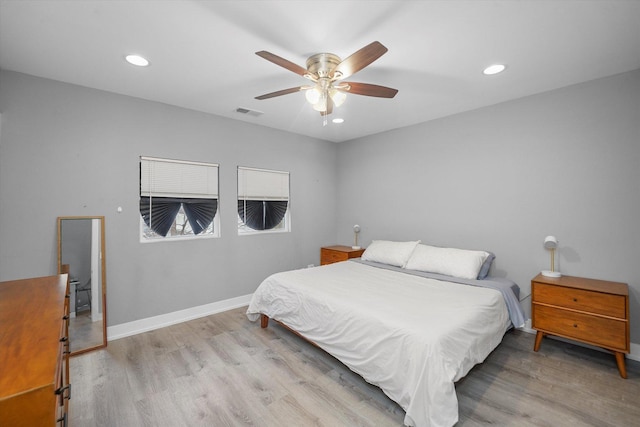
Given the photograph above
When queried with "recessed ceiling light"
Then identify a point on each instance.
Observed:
(338, 120)
(494, 69)
(137, 60)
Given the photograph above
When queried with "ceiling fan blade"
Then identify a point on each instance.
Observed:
(281, 92)
(369, 90)
(359, 60)
(282, 62)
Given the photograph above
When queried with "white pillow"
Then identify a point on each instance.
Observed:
(450, 261)
(387, 252)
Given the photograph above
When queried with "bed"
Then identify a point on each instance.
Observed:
(409, 331)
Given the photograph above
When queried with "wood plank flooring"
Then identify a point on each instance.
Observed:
(84, 332)
(223, 370)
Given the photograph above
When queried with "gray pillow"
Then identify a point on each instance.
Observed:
(486, 265)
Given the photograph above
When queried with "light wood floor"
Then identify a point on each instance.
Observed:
(223, 370)
(84, 333)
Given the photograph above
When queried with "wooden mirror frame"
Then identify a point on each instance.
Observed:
(103, 278)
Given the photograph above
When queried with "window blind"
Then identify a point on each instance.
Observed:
(262, 184)
(178, 178)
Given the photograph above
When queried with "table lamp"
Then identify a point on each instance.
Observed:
(356, 230)
(551, 243)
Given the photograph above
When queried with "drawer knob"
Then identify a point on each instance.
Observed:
(575, 300)
(575, 325)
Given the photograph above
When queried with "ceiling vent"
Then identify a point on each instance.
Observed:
(248, 112)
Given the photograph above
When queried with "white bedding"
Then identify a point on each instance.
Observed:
(411, 336)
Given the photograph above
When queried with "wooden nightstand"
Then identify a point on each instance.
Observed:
(331, 254)
(592, 311)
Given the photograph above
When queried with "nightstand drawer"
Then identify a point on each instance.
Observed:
(329, 257)
(604, 332)
(337, 253)
(583, 300)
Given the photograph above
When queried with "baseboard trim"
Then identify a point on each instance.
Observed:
(633, 355)
(156, 322)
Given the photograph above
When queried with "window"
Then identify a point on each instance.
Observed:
(178, 199)
(263, 201)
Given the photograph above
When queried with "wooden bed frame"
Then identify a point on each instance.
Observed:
(264, 323)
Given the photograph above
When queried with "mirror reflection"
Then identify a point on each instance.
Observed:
(81, 250)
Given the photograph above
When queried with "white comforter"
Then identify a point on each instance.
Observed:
(411, 336)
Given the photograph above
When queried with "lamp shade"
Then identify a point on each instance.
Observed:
(337, 97)
(313, 95)
(550, 242)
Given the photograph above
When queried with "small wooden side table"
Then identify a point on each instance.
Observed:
(591, 311)
(337, 253)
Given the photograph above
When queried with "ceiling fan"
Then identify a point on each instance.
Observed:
(327, 72)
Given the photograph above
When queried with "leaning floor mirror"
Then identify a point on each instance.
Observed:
(81, 252)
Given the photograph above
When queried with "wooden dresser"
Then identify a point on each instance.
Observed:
(34, 358)
(592, 311)
(331, 254)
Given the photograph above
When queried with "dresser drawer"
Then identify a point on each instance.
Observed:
(600, 331)
(583, 300)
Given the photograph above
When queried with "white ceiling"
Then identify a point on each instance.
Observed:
(203, 58)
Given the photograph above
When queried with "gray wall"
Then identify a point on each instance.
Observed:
(76, 248)
(501, 178)
(68, 150)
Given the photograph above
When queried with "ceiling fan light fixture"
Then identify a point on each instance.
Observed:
(337, 97)
(321, 105)
(313, 95)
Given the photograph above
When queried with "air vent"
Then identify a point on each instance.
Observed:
(254, 113)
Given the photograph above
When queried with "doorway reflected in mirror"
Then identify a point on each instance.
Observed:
(81, 247)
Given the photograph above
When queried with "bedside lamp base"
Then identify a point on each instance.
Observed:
(549, 273)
